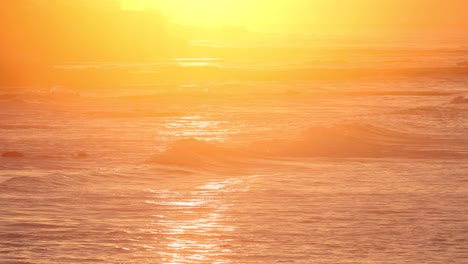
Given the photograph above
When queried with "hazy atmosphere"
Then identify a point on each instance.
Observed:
(233, 131)
(316, 16)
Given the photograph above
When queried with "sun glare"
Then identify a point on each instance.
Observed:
(317, 16)
(233, 131)
(201, 12)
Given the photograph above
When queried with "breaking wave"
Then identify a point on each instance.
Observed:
(200, 154)
(345, 140)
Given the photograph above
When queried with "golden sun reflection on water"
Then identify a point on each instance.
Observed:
(197, 62)
(198, 127)
(195, 226)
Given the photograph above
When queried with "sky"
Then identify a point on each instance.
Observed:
(433, 16)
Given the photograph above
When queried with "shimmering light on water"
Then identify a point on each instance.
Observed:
(355, 191)
(195, 225)
(199, 128)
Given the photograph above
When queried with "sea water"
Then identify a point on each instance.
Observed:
(368, 170)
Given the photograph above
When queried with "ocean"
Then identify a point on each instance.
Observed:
(359, 158)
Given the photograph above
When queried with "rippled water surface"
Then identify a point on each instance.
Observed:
(361, 172)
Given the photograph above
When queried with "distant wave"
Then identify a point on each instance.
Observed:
(36, 184)
(236, 73)
(441, 111)
(12, 127)
(395, 93)
(30, 98)
(33, 101)
(306, 73)
(132, 114)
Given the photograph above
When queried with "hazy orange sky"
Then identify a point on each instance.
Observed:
(319, 15)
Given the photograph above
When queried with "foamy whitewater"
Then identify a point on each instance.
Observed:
(371, 170)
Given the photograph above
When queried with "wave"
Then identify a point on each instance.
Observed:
(395, 93)
(250, 72)
(459, 100)
(132, 114)
(345, 140)
(442, 111)
(12, 127)
(199, 154)
(39, 184)
(316, 73)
